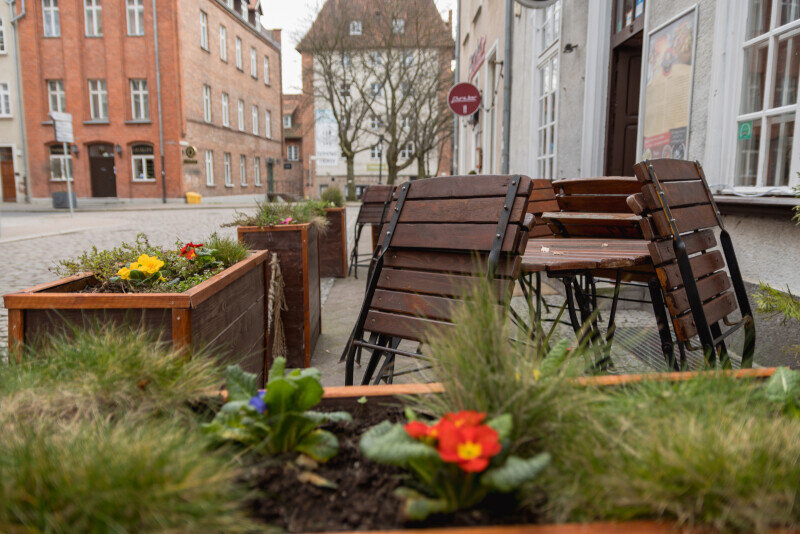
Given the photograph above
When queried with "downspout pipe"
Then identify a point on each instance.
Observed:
(20, 103)
(457, 119)
(160, 119)
(507, 62)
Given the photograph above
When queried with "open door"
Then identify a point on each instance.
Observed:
(7, 178)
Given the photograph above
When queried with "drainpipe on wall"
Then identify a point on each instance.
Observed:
(458, 79)
(20, 103)
(507, 86)
(158, 93)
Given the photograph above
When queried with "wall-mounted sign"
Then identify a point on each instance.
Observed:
(464, 99)
(326, 138)
(63, 126)
(745, 130)
(477, 58)
(669, 74)
(190, 155)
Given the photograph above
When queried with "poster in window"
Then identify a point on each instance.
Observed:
(669, 72)
(326, 139)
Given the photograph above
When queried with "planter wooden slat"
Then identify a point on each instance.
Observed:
(333, 245)
(226, 314)
(638, 527)
(297, 248)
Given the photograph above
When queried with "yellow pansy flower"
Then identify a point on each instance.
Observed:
(124, 273)
(149, 264)
(537, 374)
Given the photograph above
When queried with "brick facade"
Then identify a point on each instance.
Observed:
(117, 57)
(296, 171)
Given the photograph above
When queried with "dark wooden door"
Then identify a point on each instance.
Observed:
(623, 113)
(8, 181)
(101, 169)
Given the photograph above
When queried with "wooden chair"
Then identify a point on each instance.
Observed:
(373, 204)
(440, 236)
(679, 216)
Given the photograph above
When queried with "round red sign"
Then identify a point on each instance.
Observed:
(464, 99)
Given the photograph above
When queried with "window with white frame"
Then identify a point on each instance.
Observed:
(375, 122)
(399, 25)
(207, 103)
(227, 168)
(267, 124)
(407, 151)
(406, 121)
(229, 3)
(547, 95)
(287, 121)
(375, 58)
(266, 70)
(243, 170)
(98, 100)
(257, 171)
(60, 164)
(244, 10)
(768, 105)
(408, 57)
(203, 30)
(376, 151)
(293, 152)
(240, 114)
(253, 63)
(376, 88)
(5, 100)
(346, 59)
(239, 54)
(3, 48)
(355, 27)
(135, 15)
(225, 114)
(254, 115)
(223, 43)
(209, 168)
(93, 18)
(56, 96)
(52, 22)
(140, 100)
(144, 163)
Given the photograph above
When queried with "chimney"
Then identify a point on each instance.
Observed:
(450, 19)
(276, 34)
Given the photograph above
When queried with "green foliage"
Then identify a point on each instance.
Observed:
(279, 419)
(179, 273)
(276, 213)
(334, 196)
(783, 388)
(773, 302)
(103, 370)
(121, 476)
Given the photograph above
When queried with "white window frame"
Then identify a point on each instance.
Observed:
(407, 152)
(98, 100)
(226, 165)
(548, 59)
(266, 70)
(292, 152)
(3, 46)
(355, 27)
(204, 30)
(209, 168)
(64, 162)
(267, 124)
(399, 26)
(257, 171)
(93, 17)
(254, 117)
(140, 99)
(240, 114)
(253, 62)
(56, 93)
(243, 170)
(142, 160)
(375, 152)
(223, 43)
(51, 18)
(375, 121)
(207, 103)
(226, 119)
(5, 100)
(134, 13)
(239, 64)
(287, 120)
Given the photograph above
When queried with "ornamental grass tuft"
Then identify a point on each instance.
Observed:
(282, 213)
(333, 196)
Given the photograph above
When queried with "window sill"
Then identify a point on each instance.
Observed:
(7, 117)
(779, 207)
(51, 36)
(137, 121)
(244, 185)
(97, 121)
(72, 181)
(135, 34)
(204, 49)
(229, 185)
(94, 36)
(144, 181)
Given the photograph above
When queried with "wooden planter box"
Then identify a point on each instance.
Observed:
(226, 314)
(333, 245)
(297, 247)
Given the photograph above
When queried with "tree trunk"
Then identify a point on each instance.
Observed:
(391, 173)
(421, 167)
(351, 178)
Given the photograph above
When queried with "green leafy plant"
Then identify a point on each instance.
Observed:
(455, 462)
(281, 213)
(280, 419)
(783, 388)
(333, 196)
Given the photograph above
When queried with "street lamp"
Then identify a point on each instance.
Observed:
(380, 159)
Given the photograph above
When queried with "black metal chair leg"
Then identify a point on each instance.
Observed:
(383, 341)
(570, 298)
(659, 309)
(386, 372)
(722, 350)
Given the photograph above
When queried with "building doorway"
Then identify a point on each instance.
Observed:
(7, 179)
(102, 171)
(627, 39)
(270, 175)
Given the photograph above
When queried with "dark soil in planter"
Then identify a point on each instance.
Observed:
(364, 499)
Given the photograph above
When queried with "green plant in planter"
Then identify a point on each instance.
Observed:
(281, 213)
(279, 419)
(334, 196)
(455, 463)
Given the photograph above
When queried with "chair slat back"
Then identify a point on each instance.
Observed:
(440, 246)
(372, 203)
(676, 207)
(542, 199)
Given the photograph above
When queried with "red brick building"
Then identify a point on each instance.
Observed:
(295, 167)
(217, 110)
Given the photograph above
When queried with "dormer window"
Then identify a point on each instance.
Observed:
(355, 27)
(399, 25)
(287, 121)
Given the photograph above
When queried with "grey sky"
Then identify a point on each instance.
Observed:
(294, 17)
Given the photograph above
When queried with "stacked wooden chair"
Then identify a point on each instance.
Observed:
(373, 204)
(679, 217)
(440, 235)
